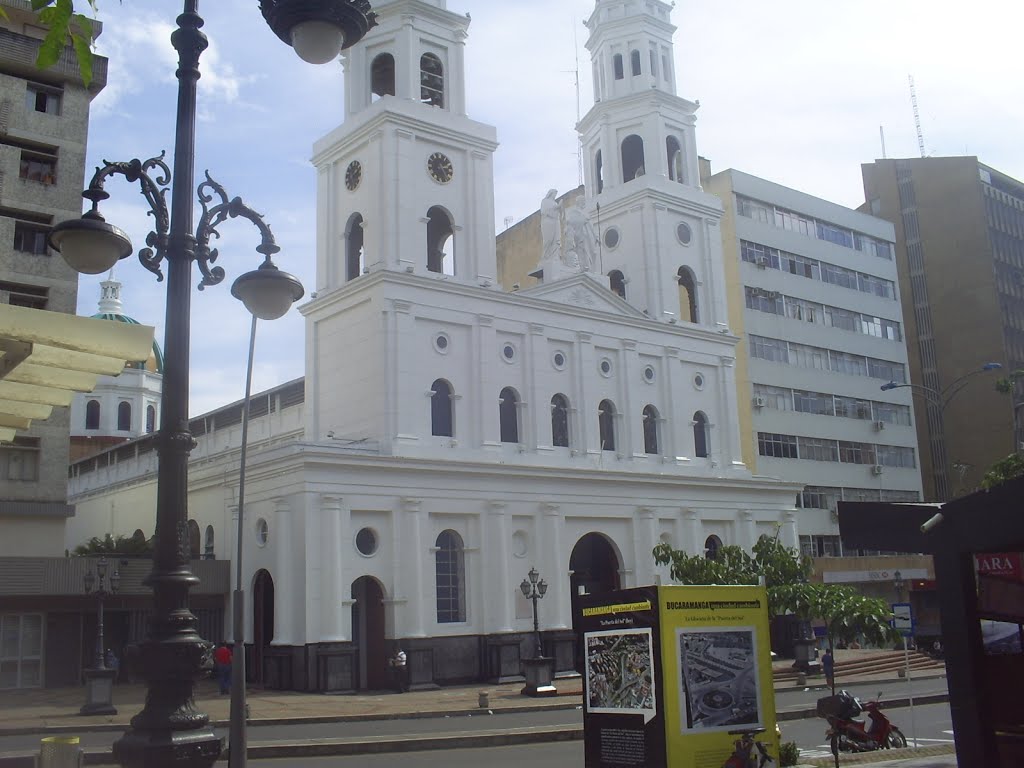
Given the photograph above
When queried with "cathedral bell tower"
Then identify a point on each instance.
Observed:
(659, 237)
(406, 182)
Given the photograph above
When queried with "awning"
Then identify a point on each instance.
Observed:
(45, 357)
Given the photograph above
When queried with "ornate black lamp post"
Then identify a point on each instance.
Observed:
(99, 681)
(534, 590)
(169, 731)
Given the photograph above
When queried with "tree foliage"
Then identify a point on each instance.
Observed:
(115, 545)
(1005, 469)
(63, 24)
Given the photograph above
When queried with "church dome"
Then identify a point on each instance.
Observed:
(111, 309)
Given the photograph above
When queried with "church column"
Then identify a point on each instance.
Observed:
(408, 575)
(749, 525)
(457, 74)
(645, 536)
(334, 535)
(486, 395)
(674, 408)
(728, 437)
(499, 608)
(694, 543)
(407, 72)
(478, 240)
(789, 534)
(538, 408)
(551, 526)
(585, 422)
(286, 574)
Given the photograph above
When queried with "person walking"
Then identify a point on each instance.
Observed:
(828, 666)
(399, 668)
(222, 660)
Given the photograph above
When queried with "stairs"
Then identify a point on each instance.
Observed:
(868, 664)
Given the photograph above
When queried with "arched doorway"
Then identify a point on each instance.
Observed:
(368, 633)
(594, 565)
(262, 622)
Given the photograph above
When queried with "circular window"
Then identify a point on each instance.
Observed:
(558, 360)
(684, 233)
(611, 237)
(520, 544)
(649, 374)
(605, 366)
(508, 352)
(441, 343)
(366, 541)
(698, 381)
(262, 532)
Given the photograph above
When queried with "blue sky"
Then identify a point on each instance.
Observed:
(794, 92)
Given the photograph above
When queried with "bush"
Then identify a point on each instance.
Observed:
(789, 753)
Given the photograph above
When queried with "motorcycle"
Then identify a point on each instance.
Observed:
(749, 752)
(847, 734)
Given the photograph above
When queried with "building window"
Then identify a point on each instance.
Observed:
(632, 157)
(124, 416)
(21, 295)
(30, 238)
(22, 459)
(634, 62)
(355, 258)
(776, 445)
(701, 441)
(208, 544)
(92, 414)
(440, 241)
(617, 66)
(599, 171)
(43, 98)
(560, 421)
(431, 80)
(617, 282)
(606, 425)
(39, 167)
(150, 418)
(382, 76)
(675, 159)
(650, 419)
(687, 295)
(441, 409)
(450, 574)
(712, 546)
(21, 650)
(508, 415)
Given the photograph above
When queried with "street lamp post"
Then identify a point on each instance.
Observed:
(538, 671)
(99, 681)
(937, 401)
(535, 590)
(897, 585)
(170, 731)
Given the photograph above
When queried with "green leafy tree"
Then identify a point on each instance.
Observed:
(64, 24)
(1005, 469)
(115, 545)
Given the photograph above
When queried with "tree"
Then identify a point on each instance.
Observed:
(1005, 469)
(62, 23)
(136, 544)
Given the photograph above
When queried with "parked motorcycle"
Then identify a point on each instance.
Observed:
(847, 734)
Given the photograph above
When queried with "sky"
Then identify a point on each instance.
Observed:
(793, 91)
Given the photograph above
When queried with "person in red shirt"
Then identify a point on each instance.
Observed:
(222, 660)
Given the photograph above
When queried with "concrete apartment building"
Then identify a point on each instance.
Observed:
(814, 295)
(960, 255)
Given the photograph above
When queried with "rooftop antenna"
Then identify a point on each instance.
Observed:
(576, 75)
(881, 133)
(917, 116)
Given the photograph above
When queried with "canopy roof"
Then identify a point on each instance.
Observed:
(46, 356)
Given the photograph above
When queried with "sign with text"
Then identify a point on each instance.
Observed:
(903, 619)
(1000, 565)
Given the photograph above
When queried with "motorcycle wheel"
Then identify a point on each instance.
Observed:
(895, 739)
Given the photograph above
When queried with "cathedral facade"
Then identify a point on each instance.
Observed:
(451, 433)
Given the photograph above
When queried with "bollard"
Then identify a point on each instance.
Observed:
(482, 700)
(801, 678)
(60, 752)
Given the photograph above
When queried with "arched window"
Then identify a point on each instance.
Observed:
(508, 415)
(651, 430)
(617, 282)
(687, 295)
(634, 62)
(208, 544)
(654, 63)
(431, 80)
(617, 66)
(382, 76)
(560, 421)
(675, 159)
(599, 172)
(92, 414)
(606, 424)
(150, 418)
(632, 157)
(701, 441)
(193, 539)
(441, 409)
(354, 255)
(440, 241)
(450, 571)
(124, 416)
(712, 546)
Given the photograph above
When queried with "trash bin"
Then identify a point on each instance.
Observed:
(60, 752)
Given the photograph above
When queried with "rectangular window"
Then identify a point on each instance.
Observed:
(813, 402)
(834, 234)
(876, 285)
(800, 265)
(753, 210)
(769, 349)
(30, 238)
(20, 459)
(20, 295)
(856, 453)
(761, 255)
(776, 445)
(43, 98)
(776, 398)
(896, 456)
(798, 309)
(841, 276)
(21, 650)
(793, 222)
(818, 449)
(764, 301)
(820, 497)
(36, 166)
(845, 362)
(887, 370)
(806, 356)
(842, 318)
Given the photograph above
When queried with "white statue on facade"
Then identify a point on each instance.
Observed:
(550, 227)
(580, 252)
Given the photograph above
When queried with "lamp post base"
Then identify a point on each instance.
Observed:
(168, 749)
(99, 692)
(539, 673)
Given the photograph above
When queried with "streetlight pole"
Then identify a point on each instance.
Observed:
(937, 400)
(170, 731)
(535, 590)
(100, 679)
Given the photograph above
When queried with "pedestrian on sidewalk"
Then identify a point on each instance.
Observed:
(828, 666)
(399, 669)
(222, 660)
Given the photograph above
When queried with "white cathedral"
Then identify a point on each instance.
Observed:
(451, 434)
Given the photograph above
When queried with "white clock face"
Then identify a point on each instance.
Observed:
(440, 168)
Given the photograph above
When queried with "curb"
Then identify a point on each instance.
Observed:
(809, 713)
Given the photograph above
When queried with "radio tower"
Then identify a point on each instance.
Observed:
(917, 115)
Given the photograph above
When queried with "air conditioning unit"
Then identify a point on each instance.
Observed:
(877, 469)
(835, 515)
(772, 294)
(879, 426)
(760, 401)
(761, 262)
